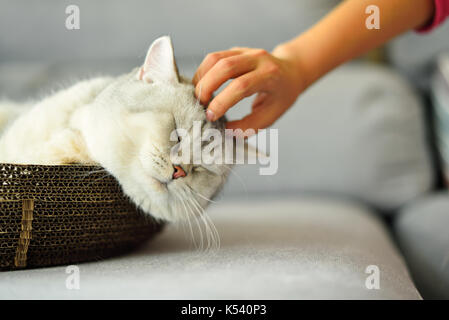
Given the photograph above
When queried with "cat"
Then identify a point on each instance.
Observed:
(122, 124)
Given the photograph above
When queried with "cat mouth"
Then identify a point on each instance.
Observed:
(170, 185)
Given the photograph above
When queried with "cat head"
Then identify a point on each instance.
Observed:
(130, 133)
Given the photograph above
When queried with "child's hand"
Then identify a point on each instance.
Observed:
(279, 78)
(277, 81)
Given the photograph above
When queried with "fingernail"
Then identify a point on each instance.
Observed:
(210, 115)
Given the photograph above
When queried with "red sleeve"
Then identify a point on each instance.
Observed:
(440, 14)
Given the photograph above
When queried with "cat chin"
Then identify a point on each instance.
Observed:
(171, 204)
(157, 201)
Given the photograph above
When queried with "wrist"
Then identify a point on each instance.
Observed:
(289, 53)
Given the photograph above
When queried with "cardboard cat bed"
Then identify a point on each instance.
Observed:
(52, 215)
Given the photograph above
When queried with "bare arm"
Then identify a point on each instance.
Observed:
(342, 34)
(279, 77)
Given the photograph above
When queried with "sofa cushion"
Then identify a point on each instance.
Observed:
(421, 229)
(285, 248)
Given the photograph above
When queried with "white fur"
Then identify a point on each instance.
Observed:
(122, 124)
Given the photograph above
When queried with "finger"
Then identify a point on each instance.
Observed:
(225, 69)
(240, 88)
(263, 117)
(209, 61)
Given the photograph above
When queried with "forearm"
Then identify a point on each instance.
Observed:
(343, 35)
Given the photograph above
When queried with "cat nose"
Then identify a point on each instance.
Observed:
(179, 172)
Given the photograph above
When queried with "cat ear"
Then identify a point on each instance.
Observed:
(159, 65)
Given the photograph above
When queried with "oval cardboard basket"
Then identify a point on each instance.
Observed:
(52, 215)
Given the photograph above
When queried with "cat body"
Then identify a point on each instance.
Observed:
(44, 132)
(124, 124)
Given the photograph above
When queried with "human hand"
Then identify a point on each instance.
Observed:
(276, 79)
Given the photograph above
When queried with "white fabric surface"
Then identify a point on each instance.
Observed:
(274, 249)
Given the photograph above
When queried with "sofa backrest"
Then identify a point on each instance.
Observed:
(35, 30)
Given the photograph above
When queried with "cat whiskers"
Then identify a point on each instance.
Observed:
(198, 225)
(212, 236)
(200, 195)
(89, 173)
(188, 214)
(210, 240)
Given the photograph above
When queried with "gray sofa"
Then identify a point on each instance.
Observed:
(356, 186)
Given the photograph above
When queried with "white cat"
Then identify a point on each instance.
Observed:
(122, 124)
